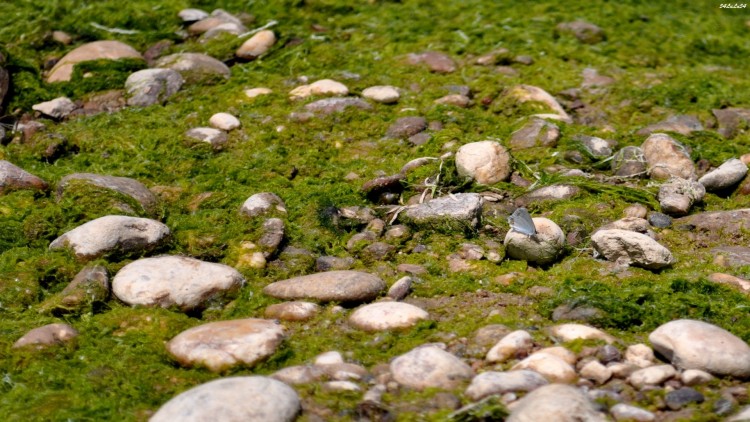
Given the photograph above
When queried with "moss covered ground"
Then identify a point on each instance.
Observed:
(681, 57)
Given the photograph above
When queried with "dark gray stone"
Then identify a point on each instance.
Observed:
(659, 220)
(678, 399)
(406, 127)
(337, 105)
(462, 211)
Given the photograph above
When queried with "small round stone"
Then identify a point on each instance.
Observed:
(384, 94)
(224, 121)
(387, 316)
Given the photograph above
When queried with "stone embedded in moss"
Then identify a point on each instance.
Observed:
(339, 286)
(196, 68)
(257, 45)
(537, 133)
(89, 288)
(459, 212)
(667, 158)
(13, 178)
(47, 335)
(126, 194)
(152, 86)
(106, 49)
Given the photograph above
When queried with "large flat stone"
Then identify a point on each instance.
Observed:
(329, 286)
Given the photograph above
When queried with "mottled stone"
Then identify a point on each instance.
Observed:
(113, 235)
(435, 61)
(548, 193)
(461, 212)
(234, 399)
(678, 195)
(327, 106)
(727, 175)
(122, 185)
(515, 344)
(166, 281)
(292, 311)
(486, 162)
(626, 247)
(383, 316)
(543, 248)
(555, 402)
(196, 68)
(15, 178)
(88, 288)
(586, 32)
(338, 286)
(214, 137)
(667, 158)
(97, 50)
(691, 344)
(430, 366)
(264, 203)
(406, 127)
(152, 86)
(47, 335)
(221, 345)
(59, 108)
(490, 383)
(629, 162)
(536, 133)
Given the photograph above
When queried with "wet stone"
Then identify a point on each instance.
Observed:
(292, 311)
(233, 399)
(338, 286)
(166, 281)
(221, 345)
(47, 335)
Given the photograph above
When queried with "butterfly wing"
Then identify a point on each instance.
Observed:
(521, 222)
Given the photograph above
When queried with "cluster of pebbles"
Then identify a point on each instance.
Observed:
(499, 366)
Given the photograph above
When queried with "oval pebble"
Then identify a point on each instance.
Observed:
(387, 316)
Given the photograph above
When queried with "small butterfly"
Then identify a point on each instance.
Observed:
(521, 222)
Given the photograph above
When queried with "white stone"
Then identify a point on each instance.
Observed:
(555, 402)
(192, 15)
(221, 345)
(596, 371)
(113, 234)
(257, 92)
(524, 93)
(626, 412)
(489, 383)
(257, 45)
(561, 352)
(691, 344)
(692, 377)
(234, 399)
(727, 175)
(515, 343)
(627, 247)
(487, 162)
(387, 316)
(224, 121)
(384, 94)
(329, 358)
(215, 137)
(321, 87)
(298, 374)
(653, 375)
(57, 109)
(543, 248)
(262, 203)
(639, 355)
(175, 281)
(340, 386)
(551, 367)
(429, 366)
(571, 332)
